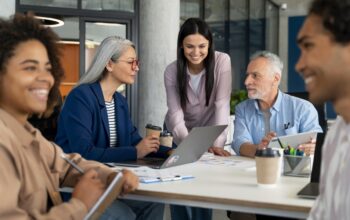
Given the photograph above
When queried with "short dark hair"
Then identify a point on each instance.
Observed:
(336, 17)
(189, 27)
(21, 28)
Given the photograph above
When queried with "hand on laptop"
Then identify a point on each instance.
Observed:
(219, 151)
(308, 148)
(147, 145)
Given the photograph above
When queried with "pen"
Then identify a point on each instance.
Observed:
(72, 163)
(280, 143)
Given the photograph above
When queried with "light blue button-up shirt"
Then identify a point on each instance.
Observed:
(289, 115)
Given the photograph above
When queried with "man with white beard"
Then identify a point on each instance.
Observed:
(268, 111)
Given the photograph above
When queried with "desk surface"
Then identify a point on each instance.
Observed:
(228, 188)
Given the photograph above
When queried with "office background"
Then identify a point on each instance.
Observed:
(240, 27)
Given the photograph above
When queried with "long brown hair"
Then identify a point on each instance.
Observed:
(194, 26)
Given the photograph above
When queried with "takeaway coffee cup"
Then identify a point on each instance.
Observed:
(166, 138)
(268, 164)
(153, 130)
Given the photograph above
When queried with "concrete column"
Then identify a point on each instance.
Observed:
(294, 8)
(7, 8)
(159, 26)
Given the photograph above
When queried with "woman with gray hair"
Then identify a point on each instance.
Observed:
(95, 120)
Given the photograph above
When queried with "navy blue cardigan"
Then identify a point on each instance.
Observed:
(83, 126)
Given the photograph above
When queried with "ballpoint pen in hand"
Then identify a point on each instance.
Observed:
(72, 163)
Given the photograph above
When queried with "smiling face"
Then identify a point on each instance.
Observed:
(27, 80)
(261, 82)
(124, 70)
(323, 63)
(195, 48)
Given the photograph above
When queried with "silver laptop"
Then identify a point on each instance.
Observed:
(190, 149)
(311, 190)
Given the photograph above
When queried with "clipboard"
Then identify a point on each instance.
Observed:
(109, 195)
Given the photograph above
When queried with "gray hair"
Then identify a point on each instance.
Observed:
(275, 61)
(111, 48)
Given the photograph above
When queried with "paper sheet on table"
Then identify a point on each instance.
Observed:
(149, 175)
(208, 158)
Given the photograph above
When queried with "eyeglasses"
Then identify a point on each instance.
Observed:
(134, 63)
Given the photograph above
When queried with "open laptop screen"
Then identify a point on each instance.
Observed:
(316, 167)
(311, 190)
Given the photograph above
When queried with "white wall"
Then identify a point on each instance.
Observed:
(7, 8)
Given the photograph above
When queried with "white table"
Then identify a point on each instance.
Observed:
(228, 188)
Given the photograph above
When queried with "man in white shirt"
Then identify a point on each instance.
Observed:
(324, 64)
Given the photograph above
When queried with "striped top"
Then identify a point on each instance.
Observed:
(111, 113)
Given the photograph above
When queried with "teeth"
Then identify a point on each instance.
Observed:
(41, 91)
(308, 79)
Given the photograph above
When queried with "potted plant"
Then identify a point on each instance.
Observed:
(237, 97)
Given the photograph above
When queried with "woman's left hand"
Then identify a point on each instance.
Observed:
(219, 151)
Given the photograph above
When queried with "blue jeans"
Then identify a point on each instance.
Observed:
(190, 213)
(123, 209)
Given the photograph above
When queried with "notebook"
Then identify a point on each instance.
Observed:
(190, 149)
(109, 195)
(311, 190)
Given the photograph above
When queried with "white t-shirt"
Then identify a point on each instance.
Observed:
(334, 199)
(195, 80)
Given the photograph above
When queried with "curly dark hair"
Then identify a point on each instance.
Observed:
(21, 28)
(336, 17)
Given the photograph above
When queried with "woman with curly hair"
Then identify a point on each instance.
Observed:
(31, 167)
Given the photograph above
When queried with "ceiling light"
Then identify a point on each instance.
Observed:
(108, 24)
(50, 22)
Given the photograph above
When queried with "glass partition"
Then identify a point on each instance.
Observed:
(189, 8)
(115, 5)
(216, 16)
(51, 3)
(94, 35)
(239, 40)
(239, 29)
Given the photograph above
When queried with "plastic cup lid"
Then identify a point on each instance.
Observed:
(267, 152)
(166, 134)
(153, 127)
